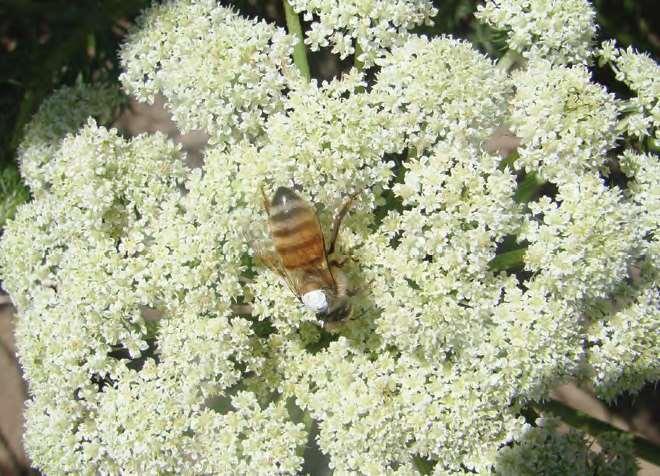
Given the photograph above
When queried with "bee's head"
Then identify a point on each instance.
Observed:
(321, 298)
(326, 305)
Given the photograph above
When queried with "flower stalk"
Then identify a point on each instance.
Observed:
(294, 28)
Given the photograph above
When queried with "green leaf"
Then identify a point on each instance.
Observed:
(13, 192)
(528, 189)
(509, 260)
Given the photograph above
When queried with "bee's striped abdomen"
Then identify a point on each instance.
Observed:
(296, 231)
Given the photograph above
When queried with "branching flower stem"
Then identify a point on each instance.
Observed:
(581, 421)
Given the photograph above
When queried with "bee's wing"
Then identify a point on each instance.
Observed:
(323, 273)
(273, 261)
(321, 269)
(296, 279)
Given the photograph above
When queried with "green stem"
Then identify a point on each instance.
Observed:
(642, 447)
(299, 53)
(358, 64)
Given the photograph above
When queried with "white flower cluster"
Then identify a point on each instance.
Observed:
(643, 191)
(559, 31)
(218, 71)
(377, 412)
(422, 290)
(109, 245)
(372, 26)
(441, 89)
(625, 329)
(641, 74)
(62, 113)
(443, 240)
(565, 122)
(379, 408)
(581, 243)
(330, 142)
(153, 342)
(549, 449)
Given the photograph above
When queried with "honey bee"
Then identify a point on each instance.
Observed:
(301, 257)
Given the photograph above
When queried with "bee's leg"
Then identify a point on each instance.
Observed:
(340, 262)
(337, 263)
(337, 222)
(265, 200)
(341, 282)
(359, 289)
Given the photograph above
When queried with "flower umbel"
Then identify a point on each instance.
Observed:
(559, 31)
(565, 122)
(155, 342)
(641, 116)
(218, 71)
(373, 26)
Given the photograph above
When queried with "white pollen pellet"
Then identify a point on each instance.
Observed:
(315, 300)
